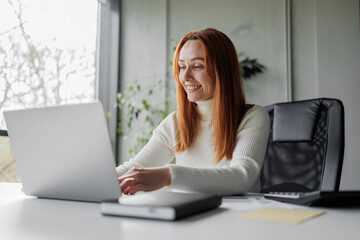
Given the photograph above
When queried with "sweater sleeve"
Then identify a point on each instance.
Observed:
(244, 169)
(157, 152)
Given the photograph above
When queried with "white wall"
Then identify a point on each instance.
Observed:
(327, 64)
(325, 51)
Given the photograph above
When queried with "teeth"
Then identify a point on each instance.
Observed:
(193, 87)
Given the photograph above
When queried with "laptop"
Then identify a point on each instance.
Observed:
(64, 152)
(318, 198)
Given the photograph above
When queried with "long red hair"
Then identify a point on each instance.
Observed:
(229, 106)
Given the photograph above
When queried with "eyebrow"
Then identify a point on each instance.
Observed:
(192, 59)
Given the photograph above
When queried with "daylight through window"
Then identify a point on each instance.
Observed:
(47, 57)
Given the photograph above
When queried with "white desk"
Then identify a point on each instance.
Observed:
(23, 217)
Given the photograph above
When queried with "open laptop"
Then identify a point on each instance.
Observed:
(318, 198)
(64, 152)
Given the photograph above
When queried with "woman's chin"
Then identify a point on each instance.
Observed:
(193, 99)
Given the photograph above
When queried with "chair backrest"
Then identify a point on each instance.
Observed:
(306, 146)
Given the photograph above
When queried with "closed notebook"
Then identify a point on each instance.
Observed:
(160, 204)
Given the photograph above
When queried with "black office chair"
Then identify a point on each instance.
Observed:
(306, 146)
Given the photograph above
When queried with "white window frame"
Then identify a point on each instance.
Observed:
(108, 62)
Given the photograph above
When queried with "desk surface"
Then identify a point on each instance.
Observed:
(23, 217)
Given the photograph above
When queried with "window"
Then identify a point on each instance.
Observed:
(47, 57)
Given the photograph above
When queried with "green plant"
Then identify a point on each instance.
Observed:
(137, 103)
(250, 67)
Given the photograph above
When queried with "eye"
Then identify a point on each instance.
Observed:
(198, 66)
(182, 67)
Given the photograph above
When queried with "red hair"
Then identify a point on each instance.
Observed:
(229, 106)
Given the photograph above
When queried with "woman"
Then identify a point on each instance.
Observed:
(218, 140)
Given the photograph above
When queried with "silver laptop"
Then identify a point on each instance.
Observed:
(64, 152)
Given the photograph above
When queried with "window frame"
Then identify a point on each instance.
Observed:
(108, 63)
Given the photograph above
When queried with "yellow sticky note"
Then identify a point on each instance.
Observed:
(282, 215)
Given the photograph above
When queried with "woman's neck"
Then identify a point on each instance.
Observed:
(205, 109)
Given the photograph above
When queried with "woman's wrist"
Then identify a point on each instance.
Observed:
(167, 173)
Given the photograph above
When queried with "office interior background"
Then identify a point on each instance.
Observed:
(310, 48)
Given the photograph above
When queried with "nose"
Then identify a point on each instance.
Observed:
(187, 74)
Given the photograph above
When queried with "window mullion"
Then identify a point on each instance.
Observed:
(107, 62)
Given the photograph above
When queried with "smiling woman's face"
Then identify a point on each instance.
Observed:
(193, 76)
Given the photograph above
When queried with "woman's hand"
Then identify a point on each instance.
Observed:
(148, 179)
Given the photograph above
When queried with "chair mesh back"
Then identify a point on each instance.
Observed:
(300, 162)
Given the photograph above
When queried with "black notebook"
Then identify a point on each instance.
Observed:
(161, 205)
(318, 198)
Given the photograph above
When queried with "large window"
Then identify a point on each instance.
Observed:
(47, 57)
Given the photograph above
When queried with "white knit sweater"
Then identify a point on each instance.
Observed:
(195, 169)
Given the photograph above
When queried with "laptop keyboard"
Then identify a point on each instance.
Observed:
(285, 194)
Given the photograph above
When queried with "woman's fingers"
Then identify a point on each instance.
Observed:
(130, 183)
(127, 182)
(150, 179)
(130, 173)
(131, 190)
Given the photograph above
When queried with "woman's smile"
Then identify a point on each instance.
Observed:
(193, 87)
